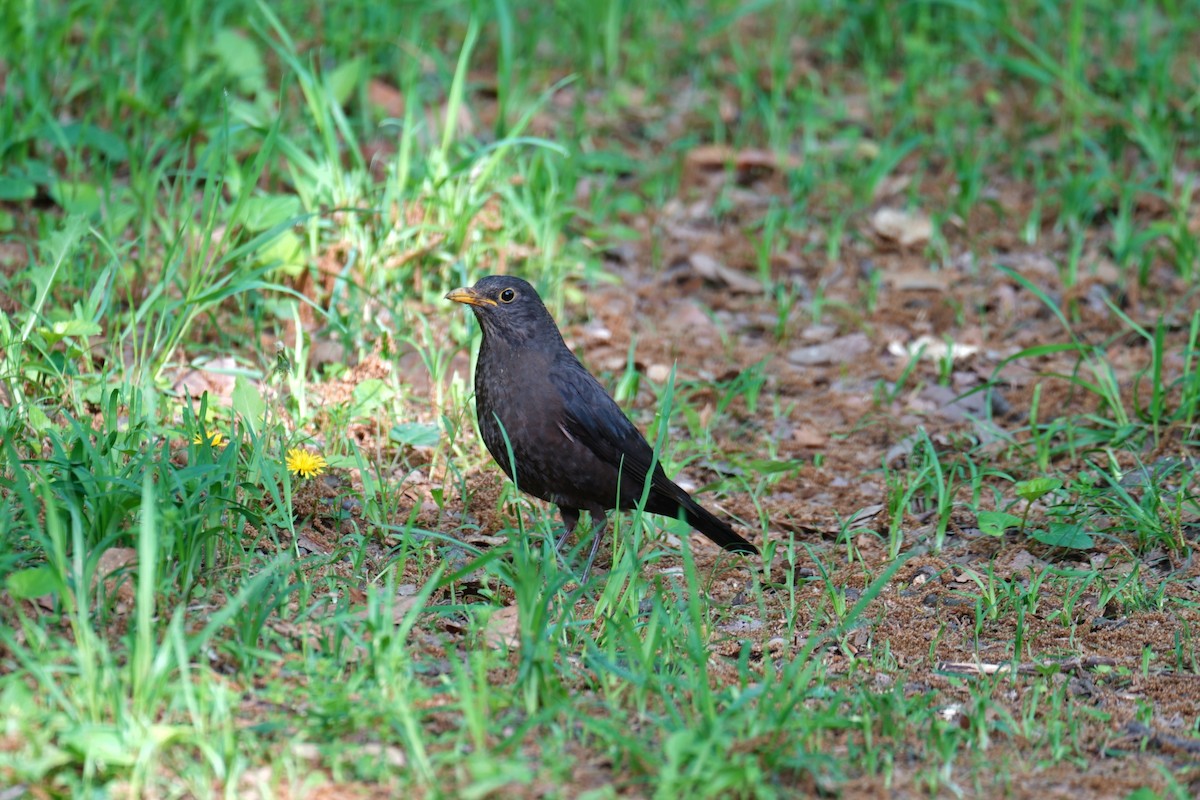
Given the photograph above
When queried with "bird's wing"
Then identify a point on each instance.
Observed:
(595, 420)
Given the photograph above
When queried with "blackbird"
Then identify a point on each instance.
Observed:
(570, 442)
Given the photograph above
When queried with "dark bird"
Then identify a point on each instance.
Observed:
(571, 444)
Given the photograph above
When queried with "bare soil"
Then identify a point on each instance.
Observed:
(829, 402)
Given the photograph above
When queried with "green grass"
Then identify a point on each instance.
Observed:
(241, 218)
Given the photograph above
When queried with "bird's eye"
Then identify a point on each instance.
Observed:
(507, 296)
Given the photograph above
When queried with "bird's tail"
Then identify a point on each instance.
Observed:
(713, 527)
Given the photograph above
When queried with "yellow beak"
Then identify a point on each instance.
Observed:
(470, 297)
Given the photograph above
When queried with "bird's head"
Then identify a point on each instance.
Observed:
(508, 308)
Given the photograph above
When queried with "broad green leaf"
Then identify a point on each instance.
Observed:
(1064, 534)
(995, 523)
(76, 197)
(38, 420)
(415, 434)
(26, 584)
(370, 395)
(35, 171)
(343, 80)
(1037, 487)
(285, 254)
(253, 113)
(1143, 793)
(265, 212)
(15, 189)
(105, 744)
(68, 328)
(240, 57)
(248, 402)
(84, 134)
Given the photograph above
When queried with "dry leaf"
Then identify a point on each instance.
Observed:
(920, 280)
(121, 560)
(968, 576)
(503, 629)
(842, 350)
(216, 377)
(658, 373)
(385, 97)
(718, 156)
(932, 349)
(13, 257)
(809, 436)
(865, 514)
(905, 228)
(713, 270)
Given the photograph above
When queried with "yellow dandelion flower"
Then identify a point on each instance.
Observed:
(215, 438)
(305, 464)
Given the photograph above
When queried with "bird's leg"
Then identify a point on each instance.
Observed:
(570, 518)
(597, 536)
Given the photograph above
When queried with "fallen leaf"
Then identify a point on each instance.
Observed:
(485, 540)
(215, 377)
(744, 625)
(865, 514)
(932, 349)
(503, 629)
(842, 350)
(1023, 560)
(809, 436)
(14, 257)
(658, 373)
(968, 576)
(385, 97)
(711, 269)
(122, 560)
(719, 156)
(905, 228)
(920, 280)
